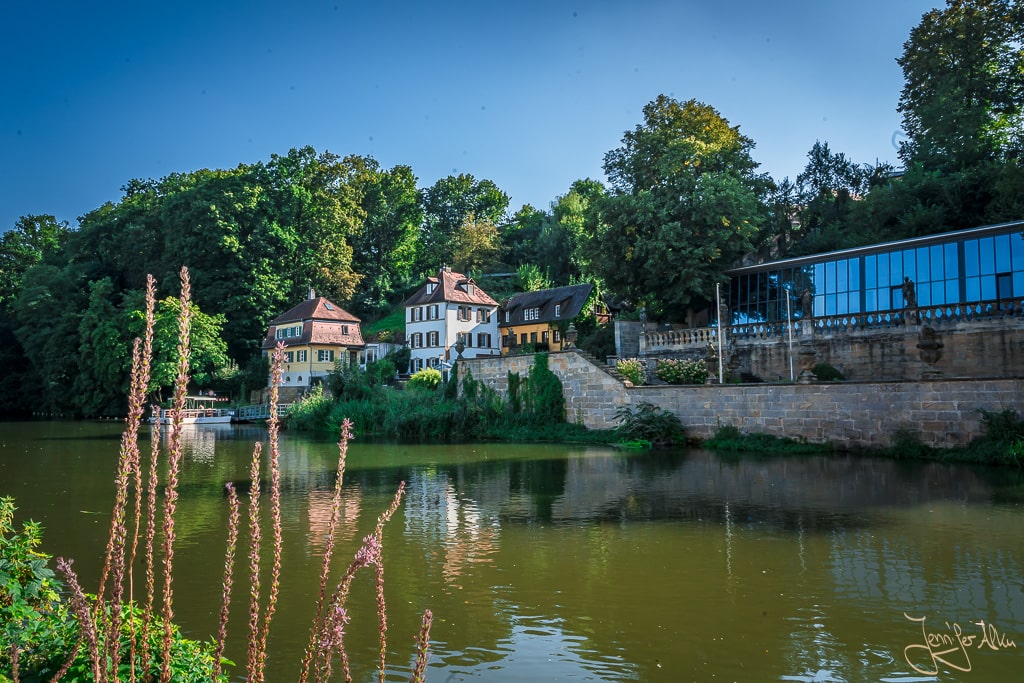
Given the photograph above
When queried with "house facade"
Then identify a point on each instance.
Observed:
(315, 334)
(539, 319)
(448, 309)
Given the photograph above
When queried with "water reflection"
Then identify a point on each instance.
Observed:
(553, 563)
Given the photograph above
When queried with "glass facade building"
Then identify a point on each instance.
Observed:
(978, 265)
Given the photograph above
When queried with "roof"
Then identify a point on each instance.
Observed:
(450, 287)
(571, 299)
(322, 323)
(316, 308)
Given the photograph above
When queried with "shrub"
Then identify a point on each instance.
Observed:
(544, 400)
(425, 379)
(633, 370)
(825, 372)
(309, 412)
(730, 438)
(682, 371)
(648, 423)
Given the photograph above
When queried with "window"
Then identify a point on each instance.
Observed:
(344, 329)
(533, 337)
(464, 313)
(430, 287)
(289, 356)
(531, 313)
(544, 337)
(522, 338)
(432, 339)
(558, 310)
(470, 288)
(288, 332)
(483, 340)
(417, 340)
(556, 336)
(480, 315)
(325, 355)
(432, 312)
(508, 315)
(302, 356)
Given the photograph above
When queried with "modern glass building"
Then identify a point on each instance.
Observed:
(983, 264)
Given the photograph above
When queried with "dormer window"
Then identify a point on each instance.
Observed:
(430, 287)
(558, 310)
(470, 289)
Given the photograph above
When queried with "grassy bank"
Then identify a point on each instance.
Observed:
(1001, 444)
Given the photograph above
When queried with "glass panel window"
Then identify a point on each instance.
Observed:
(854, 274)
(938, 293)
(1017, 247)
(883, 270)
(909, 268)
(922, 265)
(842, 277)
(830, 279)
(870, 300)
(952, 291)
(987, 255)
(988, 287)
(973, 291)
(952, 259)
(870, 270)
(971, 268)
(1003, 254)
(936, 261)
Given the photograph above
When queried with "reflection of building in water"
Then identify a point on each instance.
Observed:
(321, 509)
(198, 442)
(465, 532)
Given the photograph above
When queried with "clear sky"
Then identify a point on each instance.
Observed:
(530, 95)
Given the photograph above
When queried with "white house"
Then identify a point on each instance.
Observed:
(448, 309)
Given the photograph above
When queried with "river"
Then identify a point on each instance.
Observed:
(555, 562)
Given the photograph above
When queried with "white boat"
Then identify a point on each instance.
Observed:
(199, 410)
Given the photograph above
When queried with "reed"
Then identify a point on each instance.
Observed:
(112, 626)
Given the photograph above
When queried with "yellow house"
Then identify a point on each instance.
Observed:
(315, 334)
(539, 319)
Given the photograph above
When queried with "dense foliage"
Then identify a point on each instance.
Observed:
(675, 371)
(648, 423)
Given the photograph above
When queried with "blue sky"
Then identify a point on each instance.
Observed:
(528, 94)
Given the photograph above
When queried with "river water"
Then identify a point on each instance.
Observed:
(554, 562)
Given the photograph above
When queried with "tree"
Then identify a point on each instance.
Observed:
(964, 91)
(685, 204)
(476, 244)
(385, 249)
(446, 206)
(24, 246)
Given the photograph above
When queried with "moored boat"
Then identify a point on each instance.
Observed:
(199, 410)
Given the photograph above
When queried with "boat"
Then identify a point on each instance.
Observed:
(200, 410)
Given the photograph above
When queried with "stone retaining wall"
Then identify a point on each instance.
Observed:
(943, 413)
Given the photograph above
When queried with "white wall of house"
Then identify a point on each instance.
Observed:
(422, 331)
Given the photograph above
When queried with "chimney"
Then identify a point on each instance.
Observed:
(312, 294)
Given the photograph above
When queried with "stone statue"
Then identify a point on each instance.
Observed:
(909, 295)
(806, 304)
(724, 315)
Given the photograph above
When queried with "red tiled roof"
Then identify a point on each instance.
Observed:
(322, 323)
(451, 287)
(314, 309)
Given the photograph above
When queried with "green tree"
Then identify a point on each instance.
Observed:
(208, 356)
(104, 355)
(476, 245)
(385, 249)
(964, 85)
(23, 247)
(446, 206)
(685, 204)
